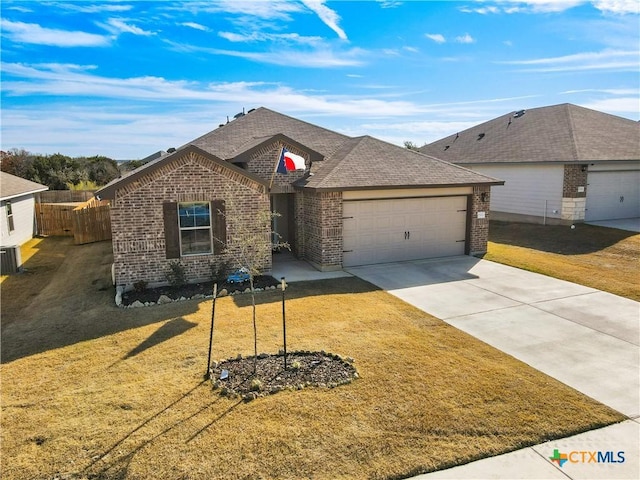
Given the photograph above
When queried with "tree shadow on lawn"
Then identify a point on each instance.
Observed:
(71, 301)
(118, 467)
(311, 288)
(171, 329)
(560, 239)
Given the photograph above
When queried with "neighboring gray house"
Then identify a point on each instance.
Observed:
(561, 164)
(17, 209)
(357, 201)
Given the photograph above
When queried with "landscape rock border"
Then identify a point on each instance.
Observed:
(169, 294)
(234, 377)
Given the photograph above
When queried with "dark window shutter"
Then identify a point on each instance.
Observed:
(219, 223)
(171, 231)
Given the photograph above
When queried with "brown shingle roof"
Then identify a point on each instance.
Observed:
(368, 163)
(12, 186)
(225, 141)
(339, 162)
(558, 133)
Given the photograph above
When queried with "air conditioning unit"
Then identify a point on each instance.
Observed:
(10, 260)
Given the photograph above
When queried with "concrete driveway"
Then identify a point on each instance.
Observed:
(587, 339)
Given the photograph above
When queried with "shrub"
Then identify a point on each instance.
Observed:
(140, 286)
(256, 385)
(220, 270)
(176, 275)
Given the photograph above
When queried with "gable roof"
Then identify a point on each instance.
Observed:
(558, 133)
(368, 163)
(12, 186)
(109, 190)
(261, 123)
(338, 162)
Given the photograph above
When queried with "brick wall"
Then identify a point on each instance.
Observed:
(574, 201)
(479, 233)
(575, 176)
(264, 161)
(138, 223)
(319, 225)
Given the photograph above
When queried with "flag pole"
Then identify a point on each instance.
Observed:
(273, 175)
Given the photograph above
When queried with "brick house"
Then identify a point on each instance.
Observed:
(561, 164)
(358, 201)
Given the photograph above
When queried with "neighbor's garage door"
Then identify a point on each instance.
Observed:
(379, 231)
(613, 195)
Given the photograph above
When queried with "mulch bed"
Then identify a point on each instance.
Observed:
(235, 377)
(191, 290)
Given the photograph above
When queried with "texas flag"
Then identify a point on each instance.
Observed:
(290, 162)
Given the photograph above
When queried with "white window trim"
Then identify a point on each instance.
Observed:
(181, 229)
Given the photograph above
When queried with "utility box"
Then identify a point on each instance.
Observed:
(10, 260)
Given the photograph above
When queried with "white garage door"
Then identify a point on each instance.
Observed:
(613, 195)
(379, 231)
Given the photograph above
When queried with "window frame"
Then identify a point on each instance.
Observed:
(9, 210)
(195, 228)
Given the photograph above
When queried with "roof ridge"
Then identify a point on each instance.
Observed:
(572, 131)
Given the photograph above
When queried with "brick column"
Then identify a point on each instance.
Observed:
(479, 235)
(574, 192)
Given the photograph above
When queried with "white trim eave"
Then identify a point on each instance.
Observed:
(23, 194)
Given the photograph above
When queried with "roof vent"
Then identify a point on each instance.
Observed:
(241, 114)
(481, 136)
(519, 113)
(446, 147)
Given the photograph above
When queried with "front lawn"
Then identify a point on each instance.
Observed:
(120, 392)
(597, 257)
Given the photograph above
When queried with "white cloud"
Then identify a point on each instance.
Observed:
(268, 10)
(269, 37)
(195, 26)
(117, 26)
(622, 105)
(328, 16)
(552, 6)
(35, 34)
(86, 7)
(466, 38)
(313, 58)
(618, 6)
(436, 37)
(626, 60)
(522, 6)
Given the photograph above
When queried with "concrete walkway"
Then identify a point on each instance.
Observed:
(585, 338)
(630, 224)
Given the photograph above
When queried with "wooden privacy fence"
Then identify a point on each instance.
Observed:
(86, 222)
(64, 196)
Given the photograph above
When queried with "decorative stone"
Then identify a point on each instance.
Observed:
(164, 299)
(181, 299)
(223, 293)
(119, 291)
(198, 296)
(247, 290)
(136, 304)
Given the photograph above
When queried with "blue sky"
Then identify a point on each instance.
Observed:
(128, 78)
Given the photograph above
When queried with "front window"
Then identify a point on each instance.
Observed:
(194, 219)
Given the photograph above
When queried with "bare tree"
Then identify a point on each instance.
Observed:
(251, 241)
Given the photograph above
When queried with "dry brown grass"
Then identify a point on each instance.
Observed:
(597, 257)
(109, 393)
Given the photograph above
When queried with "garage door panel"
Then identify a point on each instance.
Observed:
(378, 231)
(613, 195)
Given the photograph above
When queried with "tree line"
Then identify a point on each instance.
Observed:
(60, 172)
